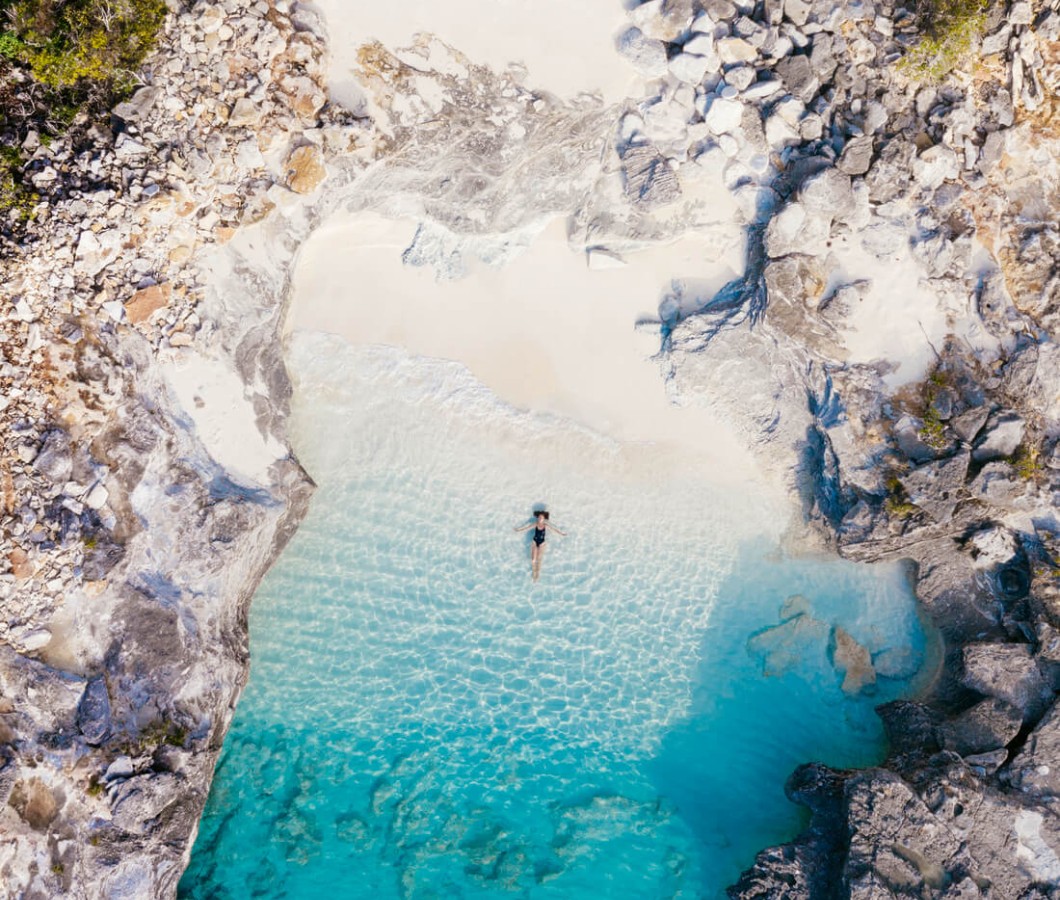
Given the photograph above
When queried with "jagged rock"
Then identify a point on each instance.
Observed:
(797, 11)
(1008, 672)
(969, 423)
(934, 166)
(936, 486)
(1036, 768)
(646, 55)
(798, 77)
(245, 113)
(691, 69)
(140, 800)
(993, 546)
(828, 193)
(1000, 439)
(894, 837)
(997, 483)
(663, 20)
(857, 156)
(147, 301)
(55, 460)
(988, 725)
(93, 711)
(139, 104)
(305, 169)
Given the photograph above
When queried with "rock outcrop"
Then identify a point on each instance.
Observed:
(146, 483)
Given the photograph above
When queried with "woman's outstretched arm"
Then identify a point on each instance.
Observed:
(555, 529)
(525, 527)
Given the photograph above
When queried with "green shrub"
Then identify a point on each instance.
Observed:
(949, 31)
(897, 503)
(1027, 462)
(65, 43)
(933, 431)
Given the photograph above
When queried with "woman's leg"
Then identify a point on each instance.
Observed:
(540, 548)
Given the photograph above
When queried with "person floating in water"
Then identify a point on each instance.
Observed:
(541, 525)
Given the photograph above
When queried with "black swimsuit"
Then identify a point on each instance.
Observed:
(539, 536)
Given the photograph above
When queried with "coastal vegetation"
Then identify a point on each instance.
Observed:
(61, 62)
(949, 31)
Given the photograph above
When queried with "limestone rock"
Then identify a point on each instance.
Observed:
(645, 54)
(1001, 438)
(828, 193)
(1036, 768)
(969, 423)
(1008, 672)
(796, 280)
(723, 115)
(55, 460)
(986, 726)
(305, 169)
(857, 156)
(147, 301)
(798, 77)
(936, 486)
(93, 712)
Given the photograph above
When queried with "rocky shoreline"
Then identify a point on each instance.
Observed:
(147, 303)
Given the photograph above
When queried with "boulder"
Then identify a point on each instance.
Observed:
(798, 77)
(691, 69)
(969, 423)
(93, 711)
(857, 156)
(55, 460)
(793, 230)
(645, 54)
(987, 726)
(797, 11)
(733, 50)
(1008, 672)
(305, 169)
(828, 194)
(138, 105)
(1001, 437)
(723, 116)
(147, 301)
(936, 486)
(1035, 770)
(663, 20)
(245, 113)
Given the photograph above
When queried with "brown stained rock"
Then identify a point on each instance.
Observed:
(21, 567)
(35, 803)
(305, 169)
(854, 661)
(147, 301)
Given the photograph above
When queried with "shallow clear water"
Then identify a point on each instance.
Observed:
(423, 721)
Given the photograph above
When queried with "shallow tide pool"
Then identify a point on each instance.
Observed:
(423, 721)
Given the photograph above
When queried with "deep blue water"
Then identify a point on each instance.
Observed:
(422, 721)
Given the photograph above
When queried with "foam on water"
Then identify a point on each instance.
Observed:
(423, 721)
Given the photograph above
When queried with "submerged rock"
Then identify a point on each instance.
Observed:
(853, 661)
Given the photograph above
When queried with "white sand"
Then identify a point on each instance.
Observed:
(545, 332)
(567, 47)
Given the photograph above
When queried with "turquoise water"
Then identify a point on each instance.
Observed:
(422, 721)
